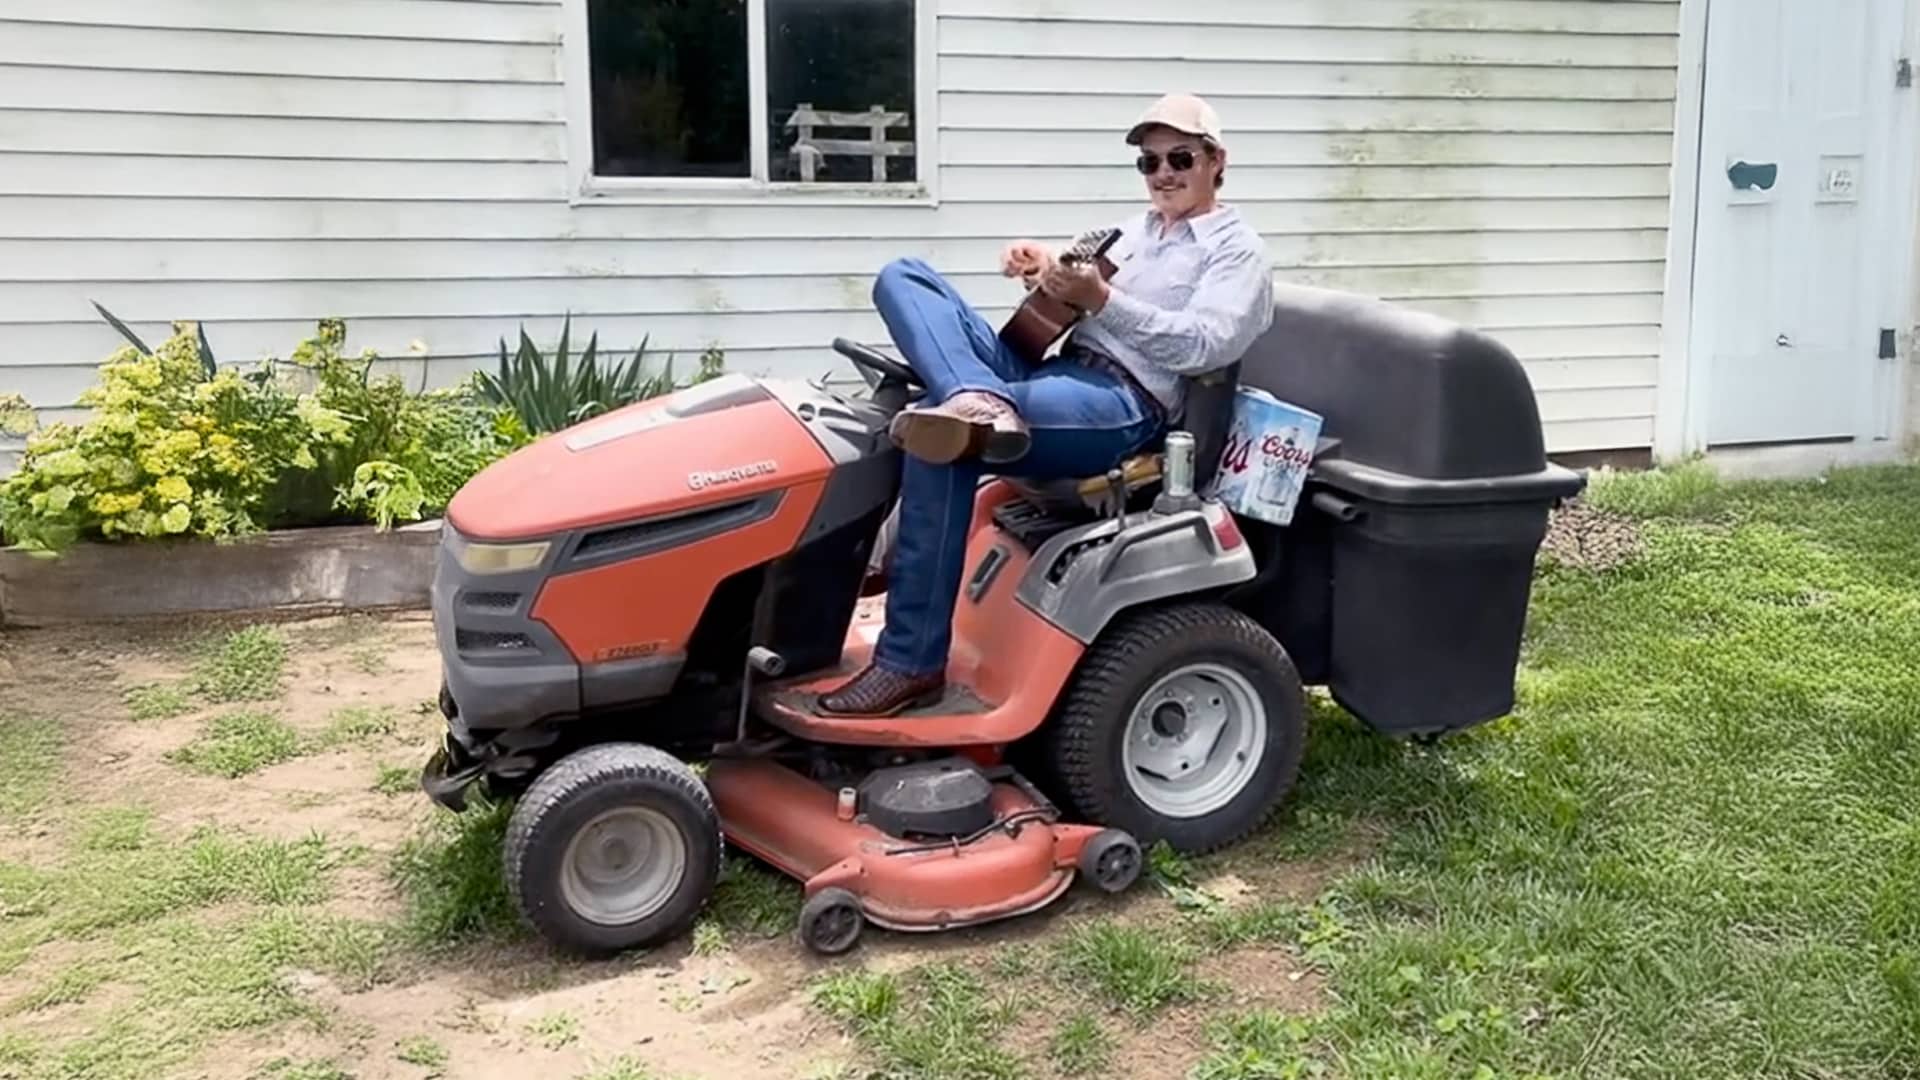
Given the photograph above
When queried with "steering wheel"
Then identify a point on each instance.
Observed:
(884, 366)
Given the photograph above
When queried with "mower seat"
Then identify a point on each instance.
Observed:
(1208, 417)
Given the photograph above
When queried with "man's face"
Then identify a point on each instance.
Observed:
(1177, 192)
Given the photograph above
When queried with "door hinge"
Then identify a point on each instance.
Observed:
(1903, 73)
(1888, 348)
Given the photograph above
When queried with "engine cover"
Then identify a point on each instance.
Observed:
(948, 797)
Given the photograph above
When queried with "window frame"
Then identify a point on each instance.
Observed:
(586, 188)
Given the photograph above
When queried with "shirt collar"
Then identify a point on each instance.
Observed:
(1206, 225)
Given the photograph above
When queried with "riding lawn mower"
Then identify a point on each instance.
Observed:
(637, 615)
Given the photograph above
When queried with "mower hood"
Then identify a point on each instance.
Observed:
(720, 441)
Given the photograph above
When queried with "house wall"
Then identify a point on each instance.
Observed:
(404, 164)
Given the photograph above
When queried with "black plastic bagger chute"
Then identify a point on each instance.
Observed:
(1402, 583)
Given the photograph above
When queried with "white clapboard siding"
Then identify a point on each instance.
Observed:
(106, 134)
(1525, 16)
(377, 297)
(1308, 79)
(996, 110)
(301, 220)
(352, 260)
(520, 22)
(402, 164)
(193, 93)
(135, 48)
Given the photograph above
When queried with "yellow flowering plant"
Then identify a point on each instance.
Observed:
(180, 445)
(169, 451)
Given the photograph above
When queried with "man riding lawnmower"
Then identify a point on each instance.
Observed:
(1080, 650)
(1193, 290)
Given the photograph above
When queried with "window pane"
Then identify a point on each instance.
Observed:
(839, 56)
(669, 87)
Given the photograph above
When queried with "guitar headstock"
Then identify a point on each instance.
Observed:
(1090, 246)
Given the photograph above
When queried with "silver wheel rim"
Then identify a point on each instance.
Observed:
(623, 866)
(1194, 741)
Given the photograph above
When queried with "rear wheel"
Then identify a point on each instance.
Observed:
(614, 847)
(1183, 724)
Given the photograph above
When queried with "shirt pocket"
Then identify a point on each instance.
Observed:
(1175, 275)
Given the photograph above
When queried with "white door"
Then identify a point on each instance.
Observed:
(1797, 217)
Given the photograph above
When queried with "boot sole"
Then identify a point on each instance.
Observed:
(942, 440)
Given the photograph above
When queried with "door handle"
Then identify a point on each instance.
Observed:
(1783, 341)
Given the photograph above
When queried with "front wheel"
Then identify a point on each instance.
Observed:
(1183, 724)
(614, 847)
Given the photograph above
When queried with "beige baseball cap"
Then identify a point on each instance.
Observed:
(1183, 113)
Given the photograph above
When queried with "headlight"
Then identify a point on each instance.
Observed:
(501, 558)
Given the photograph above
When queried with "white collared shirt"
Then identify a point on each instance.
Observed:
(1182, 304)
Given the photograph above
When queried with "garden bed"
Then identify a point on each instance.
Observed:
(344, 568)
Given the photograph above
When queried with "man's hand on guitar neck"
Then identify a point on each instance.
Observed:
(1026, 259)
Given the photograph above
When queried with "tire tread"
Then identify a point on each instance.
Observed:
(593, 766)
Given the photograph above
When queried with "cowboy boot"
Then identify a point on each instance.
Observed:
(877, 692)
(971, 423)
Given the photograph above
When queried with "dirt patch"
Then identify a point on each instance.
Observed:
(740, 1015)
(1583, 536)
(1265, 978)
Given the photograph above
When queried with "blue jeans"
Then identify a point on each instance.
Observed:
(1083, 422)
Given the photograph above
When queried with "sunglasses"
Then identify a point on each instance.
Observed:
(1149, 163)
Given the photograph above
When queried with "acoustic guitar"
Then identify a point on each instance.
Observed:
(1042, 320)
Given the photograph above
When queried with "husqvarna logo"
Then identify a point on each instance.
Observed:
(716, 477)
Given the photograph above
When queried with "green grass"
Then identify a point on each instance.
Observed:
(555, 1030)
(397, 779)
(245, 665)
(196, 937)
(752, 901)
(71, 984)
(1138, 968)
(450, 875)
(1259, 1045)
(358, 724)
(116, 828)
(709, 938)
(312, 1069)
(96, 891)
(424, 1052)
(157, 701)
(1692, 851)
(370, 659)
(621, 1067)
(238, 744)
(936, 1023)
(1081, 1046)
(29, 763)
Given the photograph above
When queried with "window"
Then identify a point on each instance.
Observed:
(790, 94)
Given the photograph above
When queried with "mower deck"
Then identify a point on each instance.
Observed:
(1021, 863)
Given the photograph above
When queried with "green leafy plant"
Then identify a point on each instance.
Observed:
(549, 393)
(388, 492)
(405, 453)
